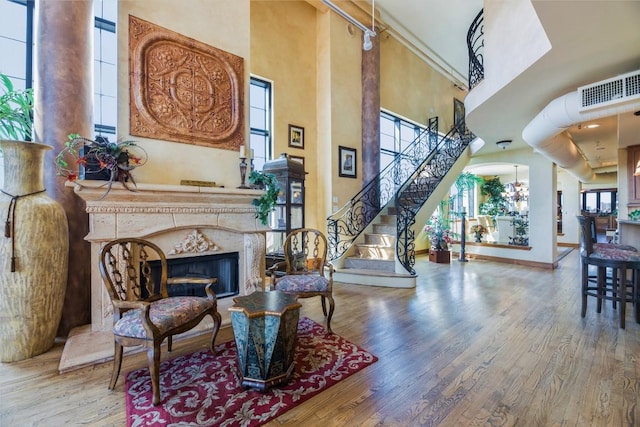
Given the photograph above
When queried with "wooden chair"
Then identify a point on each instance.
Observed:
(143, 313)
(304, 269)
(612, 264)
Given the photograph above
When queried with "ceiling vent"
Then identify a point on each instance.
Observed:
(612, 91)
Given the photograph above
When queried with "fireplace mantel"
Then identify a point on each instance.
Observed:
(165, 215)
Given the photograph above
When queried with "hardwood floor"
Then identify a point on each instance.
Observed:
(478, 343)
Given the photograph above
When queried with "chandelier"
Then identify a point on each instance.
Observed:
(517, 191)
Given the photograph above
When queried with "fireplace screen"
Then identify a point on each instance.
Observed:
(224, 267)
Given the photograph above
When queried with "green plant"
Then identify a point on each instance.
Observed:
(634, 215)
(467, 181)
(266, 203)
(118, 159)
(496, 203)
(16, 111)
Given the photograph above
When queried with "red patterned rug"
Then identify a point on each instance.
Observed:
(202, 389)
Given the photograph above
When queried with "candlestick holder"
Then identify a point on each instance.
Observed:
(243, 172)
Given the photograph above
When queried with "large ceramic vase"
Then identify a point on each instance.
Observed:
(35, 244)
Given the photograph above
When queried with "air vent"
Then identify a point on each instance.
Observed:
(608, 92)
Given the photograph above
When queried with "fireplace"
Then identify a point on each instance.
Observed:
(224, 267)
(185, 222)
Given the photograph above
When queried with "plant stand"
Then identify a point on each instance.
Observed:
(440, 257)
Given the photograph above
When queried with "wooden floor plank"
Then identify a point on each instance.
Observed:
(474, 344)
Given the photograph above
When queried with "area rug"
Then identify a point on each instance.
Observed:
(202, 389)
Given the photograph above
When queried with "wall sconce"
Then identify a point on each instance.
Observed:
(504, 143)
(368, 32)
(637, 172)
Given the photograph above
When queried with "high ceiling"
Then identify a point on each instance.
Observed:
(591, 41)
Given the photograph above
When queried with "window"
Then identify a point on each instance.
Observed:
(462, 199)
(105, 108)
(599, 201)
(16, 49)
(395, 135)
(260, 116)
(16, 41)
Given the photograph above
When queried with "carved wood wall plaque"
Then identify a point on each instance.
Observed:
(184, 90)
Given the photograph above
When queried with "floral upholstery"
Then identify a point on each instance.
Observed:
(615, 254)
(601, 246)
(165, 314)
(302, 283)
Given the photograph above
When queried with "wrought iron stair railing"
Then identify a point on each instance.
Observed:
(350, 221)
(420, 186)
(475, 46)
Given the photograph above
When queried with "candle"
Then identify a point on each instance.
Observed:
(242, 152)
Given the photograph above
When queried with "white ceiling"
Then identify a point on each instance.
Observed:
(591, 41)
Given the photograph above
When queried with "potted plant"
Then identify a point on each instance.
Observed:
(16, 112)
(478, 230)
(31, 291)
(267, 202)
(115, 160)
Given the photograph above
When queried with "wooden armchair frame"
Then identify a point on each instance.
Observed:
(304, 268)
(143, 312)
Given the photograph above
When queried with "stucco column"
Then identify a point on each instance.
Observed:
(371, 115)
(371, 111)
(64, 105)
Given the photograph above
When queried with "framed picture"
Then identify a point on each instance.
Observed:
(296, 136)
(298, 159)
(458, 115)
(347, 158)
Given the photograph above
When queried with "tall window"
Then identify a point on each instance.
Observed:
(260, 118)
(105, 108)
(15, 41)
(395, 135)
(16, 50)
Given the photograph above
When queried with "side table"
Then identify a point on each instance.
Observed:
(265, 327)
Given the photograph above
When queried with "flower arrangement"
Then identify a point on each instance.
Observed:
(117, 159)
(479, 230)
(439, 235)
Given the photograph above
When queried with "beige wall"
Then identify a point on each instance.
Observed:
(314, 62)
(223, 24)
(290, 64)
(412, 89)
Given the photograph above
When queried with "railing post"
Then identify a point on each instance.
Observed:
(463, 235)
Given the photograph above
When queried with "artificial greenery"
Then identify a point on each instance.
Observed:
(496, 203)
(16, 111)
(266, 203)
(634, 215)
(467, 181)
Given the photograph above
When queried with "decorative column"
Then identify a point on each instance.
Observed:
(64, 105)
(371, 111)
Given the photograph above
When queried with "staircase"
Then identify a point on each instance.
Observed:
(373, 235)
(372, 261)
(378, 252)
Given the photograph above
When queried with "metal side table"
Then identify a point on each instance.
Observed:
(265, 326)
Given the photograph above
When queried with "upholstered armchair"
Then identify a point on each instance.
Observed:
(143, 312)
(305, 271)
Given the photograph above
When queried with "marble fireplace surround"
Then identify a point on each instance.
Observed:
(168, 215)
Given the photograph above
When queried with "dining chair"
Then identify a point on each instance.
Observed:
(143, 312)
(612, 265)
(305, 271)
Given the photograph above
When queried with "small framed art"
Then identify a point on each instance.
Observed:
(458, 114)
(296, 136)
(347, 162)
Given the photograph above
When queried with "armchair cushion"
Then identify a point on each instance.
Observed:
(165, 314)
(302, 283)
